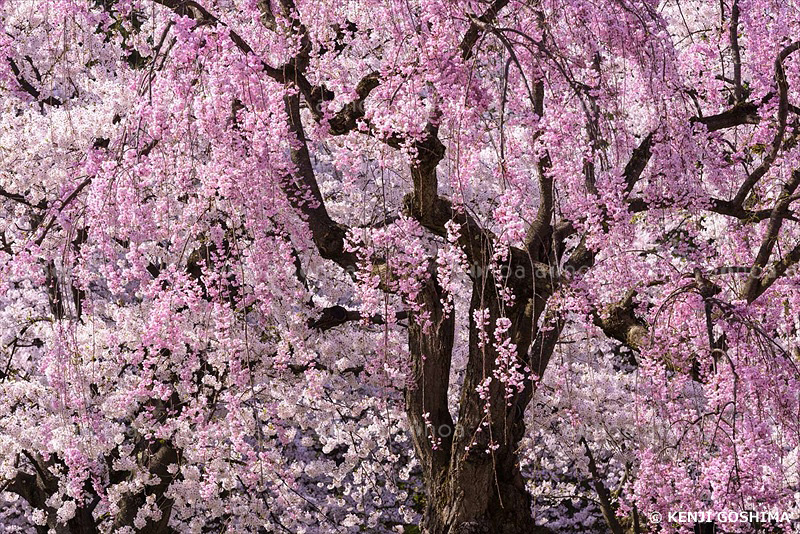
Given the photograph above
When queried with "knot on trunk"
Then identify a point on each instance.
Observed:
(622, 324)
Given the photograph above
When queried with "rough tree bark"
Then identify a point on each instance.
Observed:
(471, 467)
(471, 486)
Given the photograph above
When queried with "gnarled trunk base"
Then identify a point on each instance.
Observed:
(481, 496)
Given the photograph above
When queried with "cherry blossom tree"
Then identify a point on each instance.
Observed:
(501, 266)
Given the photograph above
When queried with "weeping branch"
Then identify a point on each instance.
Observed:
(777, 141)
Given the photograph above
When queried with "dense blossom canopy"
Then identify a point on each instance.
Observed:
(389, 265)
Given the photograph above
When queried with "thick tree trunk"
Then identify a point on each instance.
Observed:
(482, 494)
(37, 488)
(471, 468)
(158, 456)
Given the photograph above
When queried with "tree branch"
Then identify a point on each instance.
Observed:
(783, 109)
(636, 165)
(328, 235)
(347, 118)
(757, 283)
(198, 13)
(739, 114)
(733, 32)
(602, 492)
(621, 323)
(30, 89)
(723, 207)
(476, 25)
(334, 316)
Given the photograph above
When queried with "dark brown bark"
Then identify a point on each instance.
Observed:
(757, 283)
(430, 346)
(474, 31)
(36, 488)
(609, 512)
(472, 487)
(157, 458)
(742, 113)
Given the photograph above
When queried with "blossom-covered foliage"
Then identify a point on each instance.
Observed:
(398, 265)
